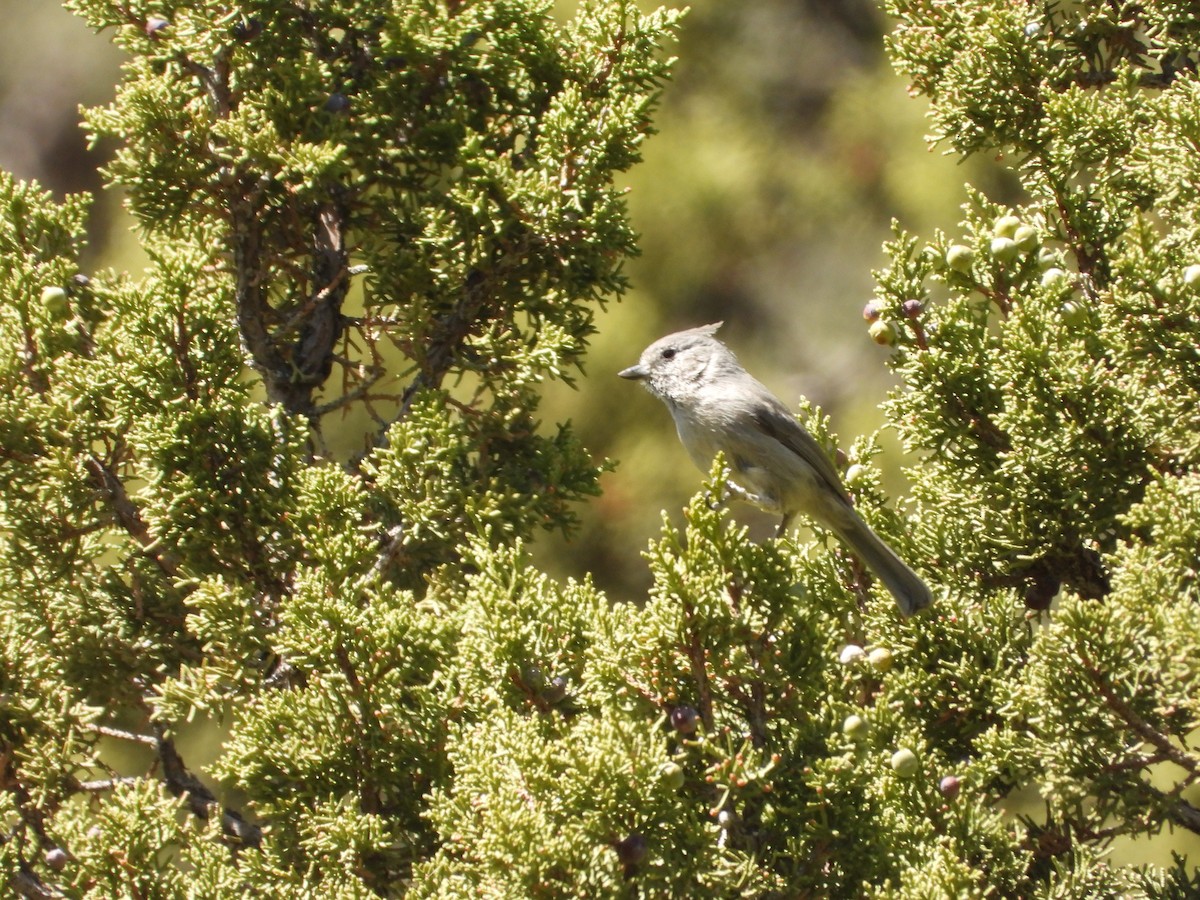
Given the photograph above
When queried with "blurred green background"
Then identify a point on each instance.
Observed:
(787, 145)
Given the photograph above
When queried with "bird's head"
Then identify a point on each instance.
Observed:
(674, 366)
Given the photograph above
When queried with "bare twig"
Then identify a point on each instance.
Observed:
(695, 652)
(128, 515)
(368, 794)
(106, 784)
(202, 802)
(1186, 815)
(1143, 729)
(109, 731)
(449, 332)
(27, 884)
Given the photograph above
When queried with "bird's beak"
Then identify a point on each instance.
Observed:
(636, 373)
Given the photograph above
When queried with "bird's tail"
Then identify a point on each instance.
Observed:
(911, 593)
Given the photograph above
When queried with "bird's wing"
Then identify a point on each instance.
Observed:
(778, 423)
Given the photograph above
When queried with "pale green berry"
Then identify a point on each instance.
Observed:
(880, 659)
(54, 299)
(671, 774)
(856, 728)
(851, 653)
(1005, 226)
(1191, 275)
(1053, 277)
(1004, 249)
(959, 257)
(1048, 258)
(1026, 237)
(905, 763)
(882, 332)
(1074, 313)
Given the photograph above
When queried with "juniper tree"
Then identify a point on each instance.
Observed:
(1047, 357)
(284, 484)
(234, 486)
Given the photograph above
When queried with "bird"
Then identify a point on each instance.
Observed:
(773, 462)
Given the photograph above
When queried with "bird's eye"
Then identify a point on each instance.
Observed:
(669, 353)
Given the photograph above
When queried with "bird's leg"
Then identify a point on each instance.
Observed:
(713, 500)
(765, 502)
(784, 525)
(736, 490)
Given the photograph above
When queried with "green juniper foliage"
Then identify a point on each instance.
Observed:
(282, 487)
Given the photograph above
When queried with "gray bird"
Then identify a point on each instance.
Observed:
(774, 463)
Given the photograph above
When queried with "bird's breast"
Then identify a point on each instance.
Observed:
(708, 428)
